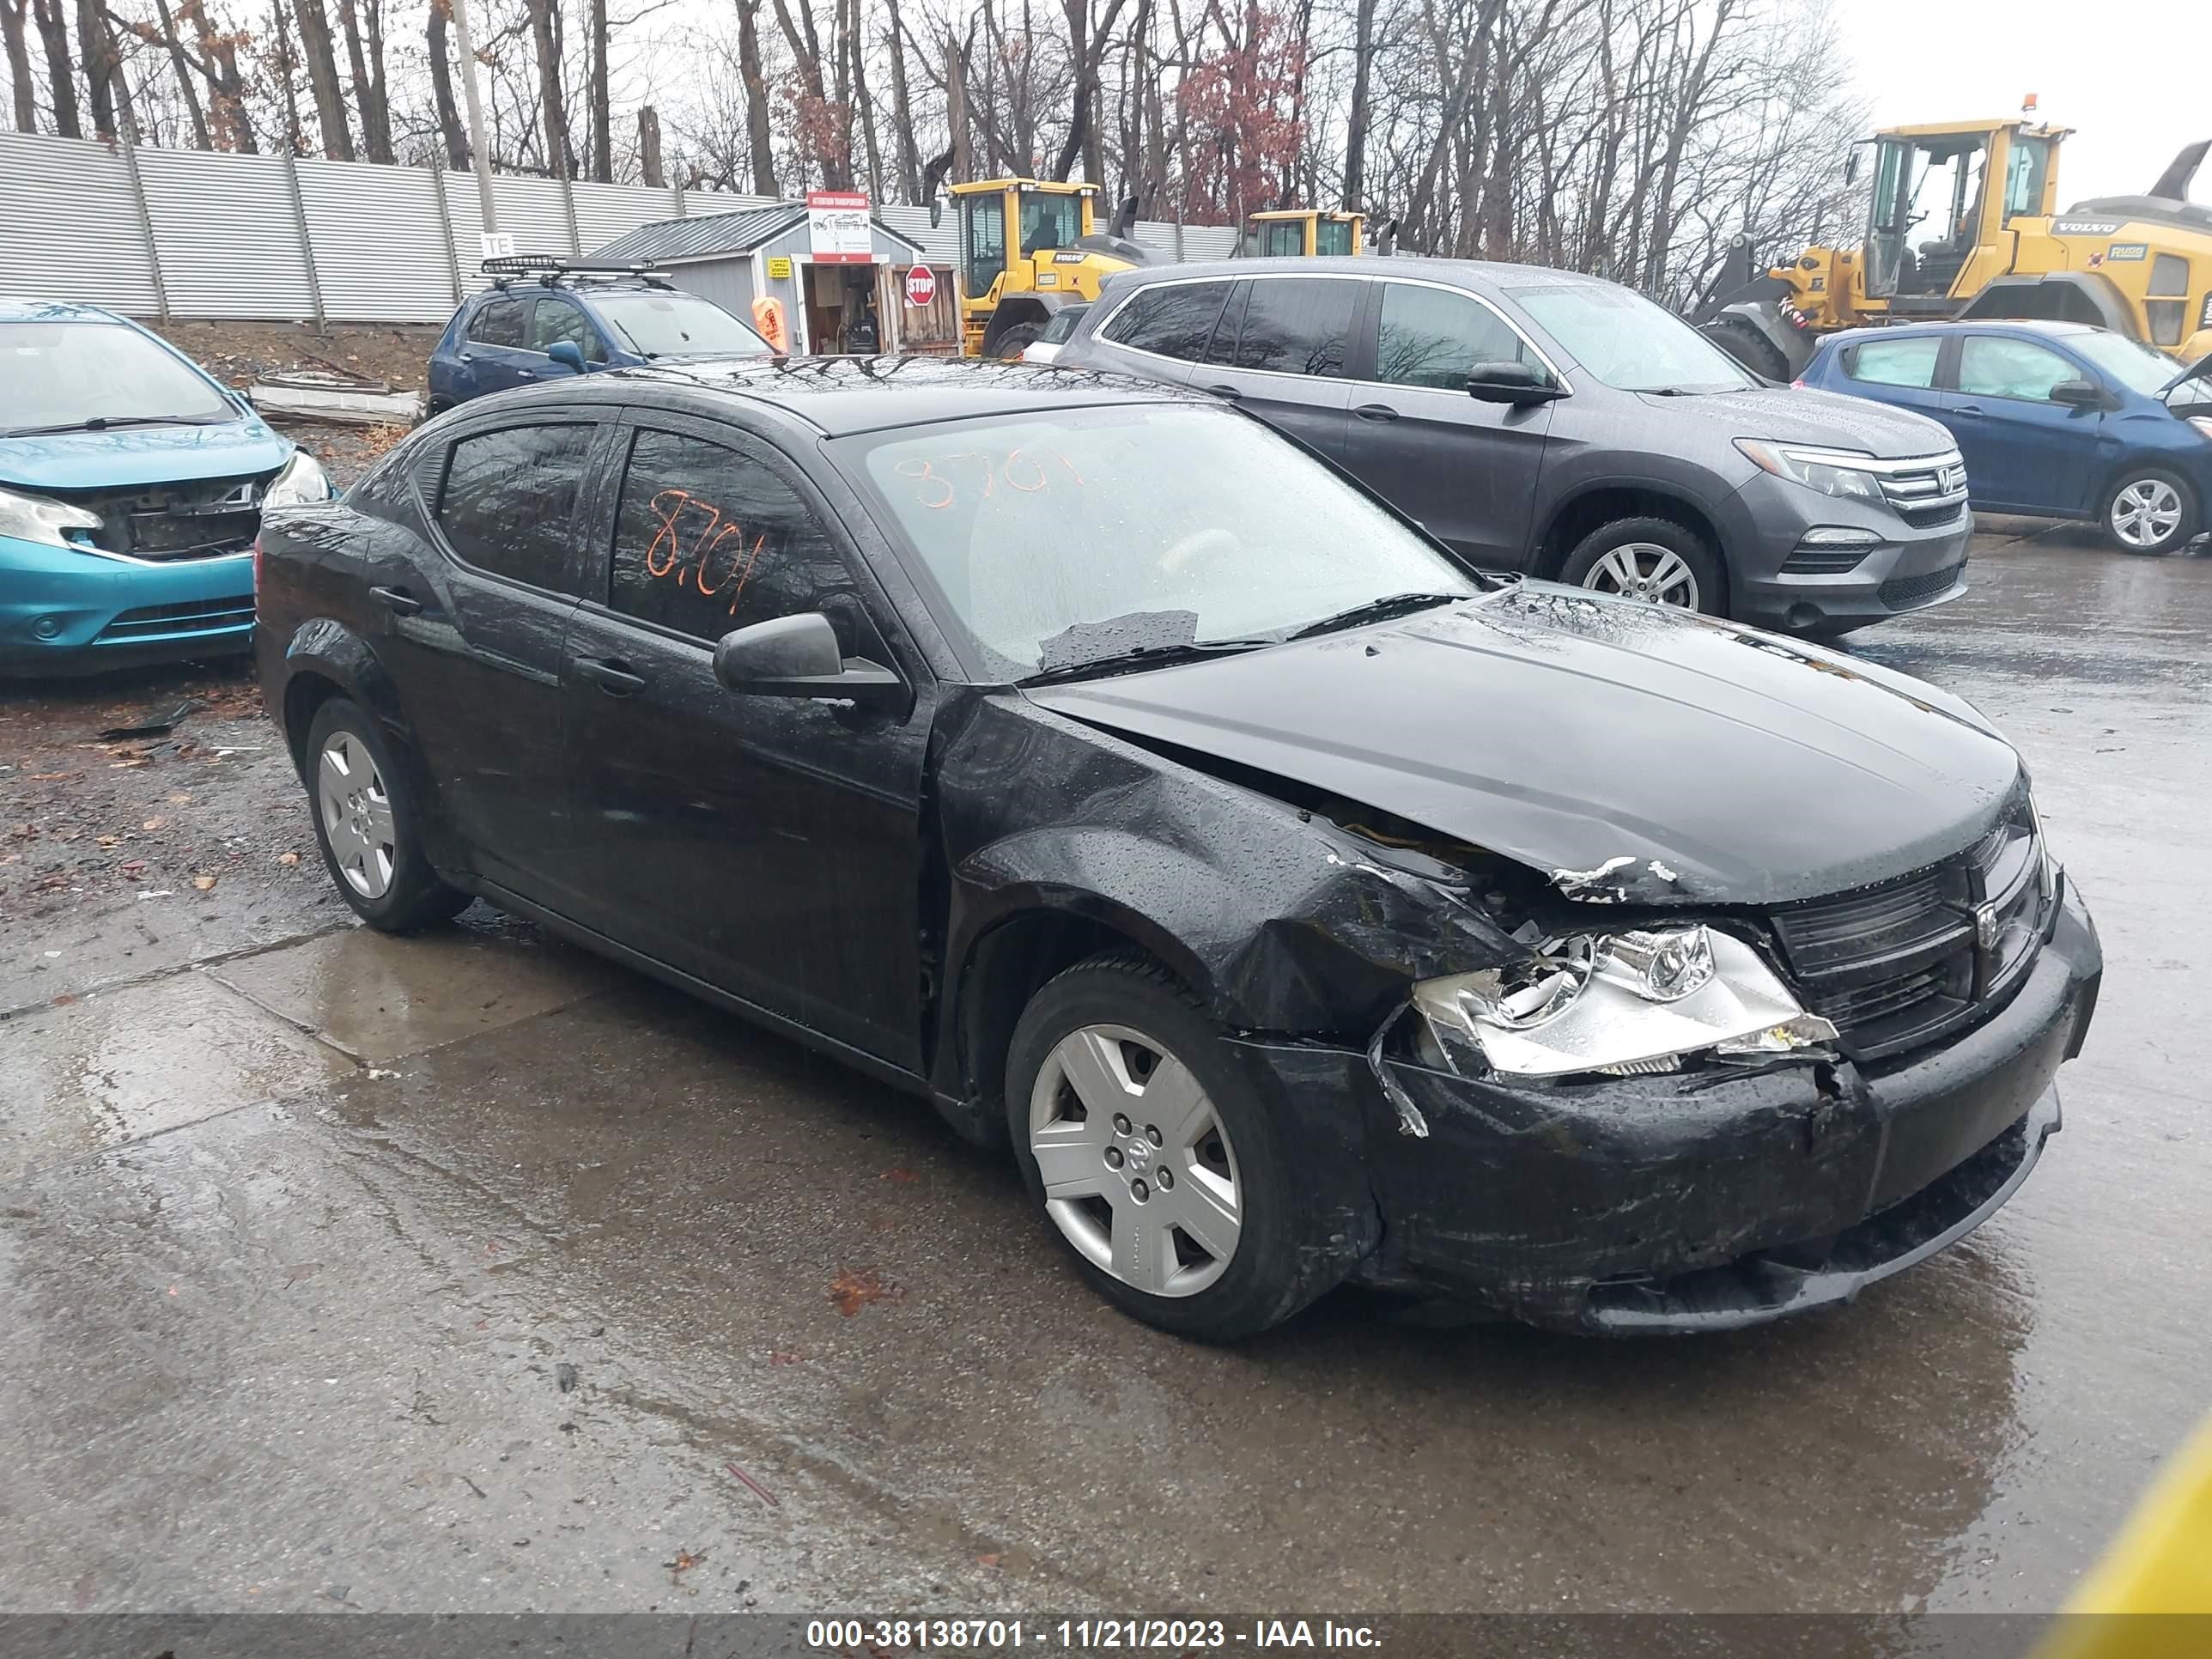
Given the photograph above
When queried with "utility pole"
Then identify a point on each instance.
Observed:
(477, 153)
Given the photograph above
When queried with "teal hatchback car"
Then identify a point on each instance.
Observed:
(131, 489)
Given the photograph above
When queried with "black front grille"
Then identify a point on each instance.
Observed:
(1899, 591)
(1900, 965)
(1927, 518)
(189, 617)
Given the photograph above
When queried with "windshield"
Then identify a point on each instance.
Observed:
(2131, 362)
(1628, 343)
(68, 375)
(1033, 525)
(655, 324)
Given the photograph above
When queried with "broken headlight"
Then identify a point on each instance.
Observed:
(39, 519)
(1620, 1003)
(301, 482)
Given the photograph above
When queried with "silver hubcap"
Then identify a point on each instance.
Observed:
(1138, 1170)
(2145, 512)
(1646, 571)
(356, 814)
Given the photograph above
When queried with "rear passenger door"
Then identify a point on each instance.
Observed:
(1279, 351)
(1466, 470)
(493, 355)
(472, 633)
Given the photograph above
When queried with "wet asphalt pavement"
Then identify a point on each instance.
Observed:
(467, 1273)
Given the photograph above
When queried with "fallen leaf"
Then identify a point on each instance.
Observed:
(853, 1291)
(780, 1358)
(153, 824)
(181, 800)
(986, 1560)
(111, 841)
(288, 859)
(897, 1175)
(206, 883)
(131, 867)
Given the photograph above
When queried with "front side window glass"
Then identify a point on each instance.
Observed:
(1429, 336)
(553, 322)
(983, 237)
(1991, 366)
(708, 538)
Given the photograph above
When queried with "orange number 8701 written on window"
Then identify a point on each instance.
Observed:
(1022, 469)
(667, 559)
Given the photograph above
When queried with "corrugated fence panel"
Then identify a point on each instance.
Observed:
(942, 242)
(606, 211)
(380, 248)
(531, 211)
(68, 229)
(229, 239)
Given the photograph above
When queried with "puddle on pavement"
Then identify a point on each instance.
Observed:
(380, 998)
(97, 1073)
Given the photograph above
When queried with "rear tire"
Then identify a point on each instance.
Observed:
(1017, 340)
(366, 825)
(1654, 560)
(1748, 347)
(1172, 1185)
(2150, 510)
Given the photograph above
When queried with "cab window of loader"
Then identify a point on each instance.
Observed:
(1282, 239)
(1049, 221)
(1333, 236)
(983, 242)
(2024, 174)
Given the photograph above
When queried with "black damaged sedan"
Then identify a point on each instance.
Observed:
(1295, 905)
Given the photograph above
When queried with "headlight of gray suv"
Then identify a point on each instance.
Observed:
(1620, 1003)
(1845, 474)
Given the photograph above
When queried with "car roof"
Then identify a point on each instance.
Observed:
(1476, 274)
(55, 311)
(2056, 331)
(840, 396)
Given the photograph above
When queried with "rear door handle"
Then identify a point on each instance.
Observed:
(612, 677)
(526, 373)
(1967, 408)
(1375, 412)
(397, 600)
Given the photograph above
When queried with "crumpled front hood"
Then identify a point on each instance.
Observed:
(1824, 419)
(141, 455)
(1571, 732)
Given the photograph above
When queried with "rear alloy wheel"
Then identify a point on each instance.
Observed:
(1156, 1161)
(365, 824)
(2151, 512)
(1652, 559)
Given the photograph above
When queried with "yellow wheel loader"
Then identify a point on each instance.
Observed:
(1029, 247)
(1961, 224)
(1303, 233)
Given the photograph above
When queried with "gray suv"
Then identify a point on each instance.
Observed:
(1537, 420)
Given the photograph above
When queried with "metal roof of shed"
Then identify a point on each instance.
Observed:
(678, 241)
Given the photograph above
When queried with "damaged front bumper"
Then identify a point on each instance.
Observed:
(1709, 1199)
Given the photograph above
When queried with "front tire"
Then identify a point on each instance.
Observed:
(1653, 560)
(1152, 1159)
(367, 826)
(2150, 510)
(1017, 340)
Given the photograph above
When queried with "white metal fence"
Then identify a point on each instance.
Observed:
(192, 234)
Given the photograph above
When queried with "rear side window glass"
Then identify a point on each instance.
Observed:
(1991, 366)
(509, 500)
(708, 538)
(1174, 318)
(1224, 331)
(552, 321)
(1296, 325)
(1893, 362)
(1428, 336)
(499, 323)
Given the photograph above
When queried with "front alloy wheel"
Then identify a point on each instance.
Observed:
(1139, 1173)
(356, 810)
(1646, 571)
(2146, 514)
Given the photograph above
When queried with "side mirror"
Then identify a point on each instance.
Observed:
(1851, 165)
(797, 657)
(1510, 383)
(2078, 394)
(565, 352)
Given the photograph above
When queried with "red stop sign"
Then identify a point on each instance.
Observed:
(920, 286)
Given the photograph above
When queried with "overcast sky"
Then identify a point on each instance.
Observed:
(2118, 72)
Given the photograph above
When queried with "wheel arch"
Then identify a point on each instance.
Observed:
(1603, 502)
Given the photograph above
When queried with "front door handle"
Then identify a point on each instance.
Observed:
(1375, 412)
(1229, 391)
(612, 677)
(526, 373)
(1967, 408)
(397, 600)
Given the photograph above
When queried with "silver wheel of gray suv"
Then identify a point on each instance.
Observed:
(1654, 560)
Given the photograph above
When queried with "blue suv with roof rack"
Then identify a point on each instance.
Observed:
(545, 319)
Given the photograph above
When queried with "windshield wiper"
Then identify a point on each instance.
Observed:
(1375, 610)
(1142, 656)
(104, 422)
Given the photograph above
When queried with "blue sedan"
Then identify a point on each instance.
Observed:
(2054, 419)
(131, 488)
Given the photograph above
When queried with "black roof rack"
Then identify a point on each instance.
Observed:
(551, 270)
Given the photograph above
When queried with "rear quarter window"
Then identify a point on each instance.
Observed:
(1174, 319)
